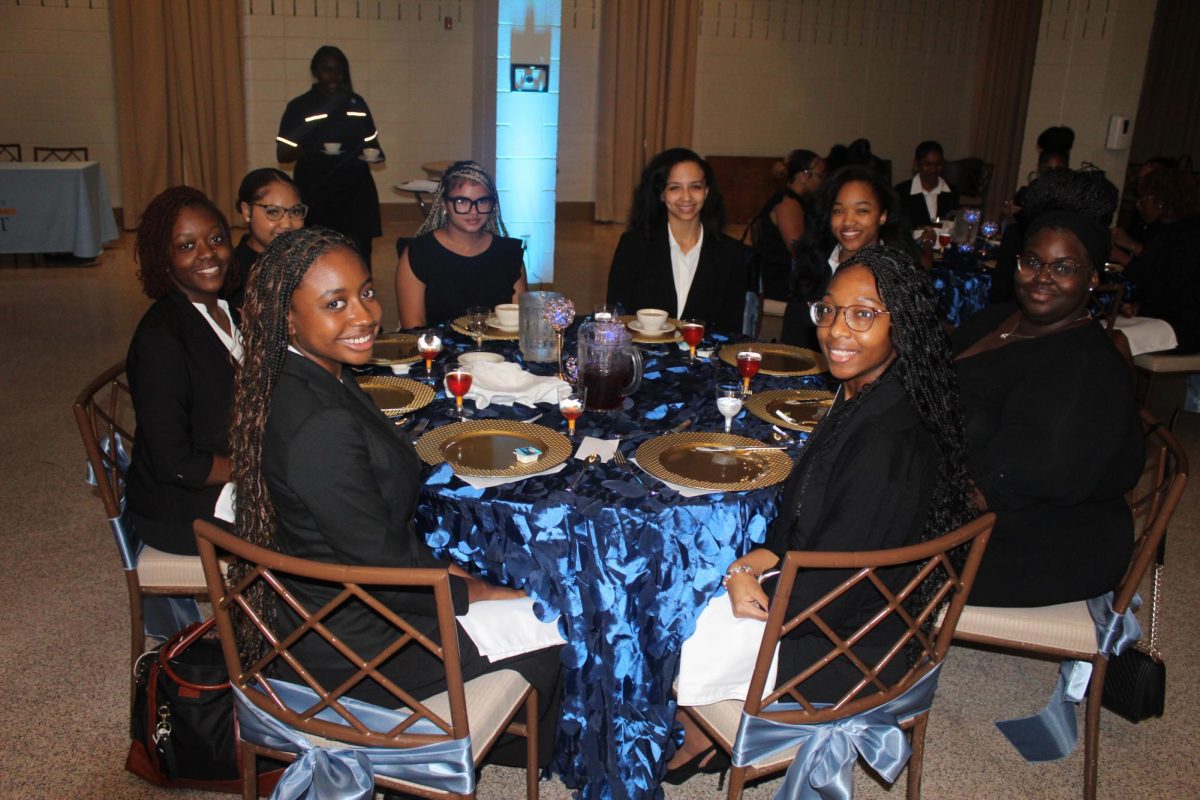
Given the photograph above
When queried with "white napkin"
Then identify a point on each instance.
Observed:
(506, 383)
(686, 491)
(605, 448)
(505, 628)
(488, 483)
(1146, 334)
(717, 660)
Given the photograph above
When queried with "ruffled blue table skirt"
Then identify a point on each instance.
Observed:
(962, 289)
(628, 573)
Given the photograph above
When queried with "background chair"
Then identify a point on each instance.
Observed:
(60, 154)
(332, 720)
(931, 561)
(1106, 300)
(10, 152)
(1066, 631)
(971, 177)
(104, 413)
(1150, 368)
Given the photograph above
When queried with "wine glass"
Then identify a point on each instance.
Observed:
(429, 345)
(571, 400)
(477, 323)
(693, 332)
(458, 383)
(729, 401)
(748, 363)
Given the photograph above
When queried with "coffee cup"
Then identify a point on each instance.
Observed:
(507, 314)
(371, 153)
(651, 319)
(332, 148)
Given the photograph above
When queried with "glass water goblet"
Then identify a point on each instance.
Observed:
(729, 402)
(477, 323)
(429, 345)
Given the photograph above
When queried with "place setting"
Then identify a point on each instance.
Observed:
(778, 360)
(794, 409)
(486, 324)
(651, 326)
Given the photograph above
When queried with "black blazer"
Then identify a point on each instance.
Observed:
(913, 207)
(181, 378)
(641, 277)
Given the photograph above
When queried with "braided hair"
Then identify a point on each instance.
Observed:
(265, 342)
(458, 173)
(152, 248)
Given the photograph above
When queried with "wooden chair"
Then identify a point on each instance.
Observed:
(332, 720)
(104, 414)
(10, 152)
(1149, 367)
(1108, 311)
(971, 177)
(60, 154)
(930, 561)
(1066, 631)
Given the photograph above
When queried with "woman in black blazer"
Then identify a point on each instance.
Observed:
(180, 365)
(677, 208)
(322, 474)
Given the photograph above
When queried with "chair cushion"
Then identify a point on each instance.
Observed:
(1067, 626)
(724, 717)
(1157, 362)
(157, 569)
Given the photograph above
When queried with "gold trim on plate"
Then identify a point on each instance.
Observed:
(493, 334)
(469, 446)
(777, 357)
(395, 348)
(805, 407)
(396, 396)
(674, 458)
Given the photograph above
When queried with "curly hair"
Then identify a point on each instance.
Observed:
(647, 212)
(265, 342)
(459, 173)
(1087, 191)
(152, 248)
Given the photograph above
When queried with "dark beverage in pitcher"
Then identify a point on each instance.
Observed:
(604, 388)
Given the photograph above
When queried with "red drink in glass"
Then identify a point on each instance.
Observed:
(748, 363)
(459, 383)
(692, 334)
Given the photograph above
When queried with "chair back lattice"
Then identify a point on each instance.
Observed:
(60, 154)
(1106, 300)
(266, 572)
(10, 152)
(933, 560)
(104, 413)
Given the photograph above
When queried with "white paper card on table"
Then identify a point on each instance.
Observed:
(718, 658)
(506, 628)
(488, 483)
(605, 448)
(1147, 334)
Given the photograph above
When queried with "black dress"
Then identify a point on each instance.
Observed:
(454, 283)
(1166, 277)
(344, 485)
(338, 189)
(244, 257)
(1054, 444)
(864, 482)
(774, 254)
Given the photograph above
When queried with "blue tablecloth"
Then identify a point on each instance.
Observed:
(628, 573)
(55, 208)
(962, 286)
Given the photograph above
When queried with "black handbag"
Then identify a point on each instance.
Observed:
(1135, 684)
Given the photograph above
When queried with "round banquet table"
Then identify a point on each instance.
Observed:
(626, 573)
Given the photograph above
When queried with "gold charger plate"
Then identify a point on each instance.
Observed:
(805, 406)
(674, 458)
(395, 348)
(641, 338)
(778, 359)
(493, 333)
(484, 448)
(395, 396)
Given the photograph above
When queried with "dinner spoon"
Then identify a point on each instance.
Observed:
(587, 465)
(733, 448)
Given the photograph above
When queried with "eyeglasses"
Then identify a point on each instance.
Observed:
(464, 205)
(818, 175)
(1062, 270)
(275, 213)
(858, 318)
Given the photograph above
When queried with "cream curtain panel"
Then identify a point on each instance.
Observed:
(1003, 75)
(1168, 120)
(647, 92)
(180, 112)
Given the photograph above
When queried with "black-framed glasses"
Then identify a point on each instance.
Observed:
(464, 205)
(275, 213)
(1061, 270)
(858, 318)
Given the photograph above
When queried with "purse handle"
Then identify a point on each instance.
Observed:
(182, 641)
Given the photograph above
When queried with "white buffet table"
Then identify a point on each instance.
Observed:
(55, 208)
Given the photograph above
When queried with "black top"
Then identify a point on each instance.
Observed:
(338, 189)
(1054, 444)
(181, 379)
(244, 258)
(864, 482)
(913, 207)
(1166, 276)
(774, 255)
(641, 277)
(454, 283)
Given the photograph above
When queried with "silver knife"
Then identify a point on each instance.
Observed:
(733, 448)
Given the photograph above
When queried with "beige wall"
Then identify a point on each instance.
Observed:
(56, 80)
(1090, 61)
(774, 75)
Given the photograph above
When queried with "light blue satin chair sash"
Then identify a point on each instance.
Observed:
(823, 768)
(1052, 733)
(122, 458)
(348, 773)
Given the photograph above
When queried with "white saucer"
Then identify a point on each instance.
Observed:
(480, 357)
(493, 322)
(369, 160)
(665, 330)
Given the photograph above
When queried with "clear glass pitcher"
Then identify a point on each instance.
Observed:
(610, 365)
(537, 337)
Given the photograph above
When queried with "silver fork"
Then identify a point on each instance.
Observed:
(622, 462)
(421, 425)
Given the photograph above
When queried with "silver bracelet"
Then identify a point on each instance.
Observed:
(738, 570)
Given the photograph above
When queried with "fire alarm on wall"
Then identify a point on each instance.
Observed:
(448, 23)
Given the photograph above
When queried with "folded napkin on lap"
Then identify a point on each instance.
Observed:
(717, 660)
(1147, 334)
(506, 383)
(506, 628)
